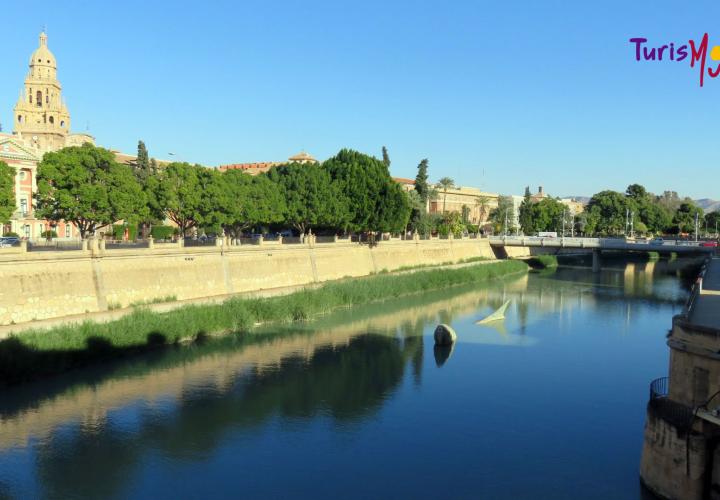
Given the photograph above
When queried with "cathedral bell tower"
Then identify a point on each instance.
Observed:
(41, 117)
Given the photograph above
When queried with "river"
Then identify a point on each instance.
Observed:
(549, 403)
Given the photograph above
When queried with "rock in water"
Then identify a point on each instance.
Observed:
(445, 335)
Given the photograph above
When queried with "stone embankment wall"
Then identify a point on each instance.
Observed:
(53, 284)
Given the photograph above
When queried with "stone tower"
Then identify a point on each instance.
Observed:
(41, 117)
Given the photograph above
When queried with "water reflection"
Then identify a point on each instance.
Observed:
(181, 407)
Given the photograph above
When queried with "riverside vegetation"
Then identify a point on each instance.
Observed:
(35, 354)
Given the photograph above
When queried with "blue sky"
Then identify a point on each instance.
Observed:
(498, 95)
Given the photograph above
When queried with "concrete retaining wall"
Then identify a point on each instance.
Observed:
(42, 285)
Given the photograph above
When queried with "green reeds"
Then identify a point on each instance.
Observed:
(43, 352)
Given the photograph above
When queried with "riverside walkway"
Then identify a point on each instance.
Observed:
(705, 307)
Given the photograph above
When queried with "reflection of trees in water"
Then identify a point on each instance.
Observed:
(348, 383)
(412, 332)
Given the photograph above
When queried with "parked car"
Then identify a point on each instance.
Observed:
(713, 244)
(9, 241)
(657, 241)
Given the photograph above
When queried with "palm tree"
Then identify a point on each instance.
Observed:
(446, 183)
(482, 202)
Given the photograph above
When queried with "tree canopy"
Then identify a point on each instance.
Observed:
(182, 194)
(86, 186)
(245, 201)
(7, 192)
(375, 201)
(311, 198)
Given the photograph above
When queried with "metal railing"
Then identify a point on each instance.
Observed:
(662, 406)
(659, 388)
(126, 245)
(199, 242)
(53, 245)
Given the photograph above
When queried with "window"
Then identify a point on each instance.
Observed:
(62, 123)
(23, 175)
(38, 98)
(26, 230)
(52, 120)
(47, 98)
(24, 206)
(68, 230)
(19, 118)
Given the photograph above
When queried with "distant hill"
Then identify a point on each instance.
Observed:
(708, 205)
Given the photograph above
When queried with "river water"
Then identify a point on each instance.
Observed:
(549, 403)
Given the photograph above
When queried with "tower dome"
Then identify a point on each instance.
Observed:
(42, 55)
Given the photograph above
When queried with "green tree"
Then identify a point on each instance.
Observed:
(145, 170)
(445, 183)
(182, 195)
(311, 198)
(451, 223)
(377, 202)
(503, 216)
(86, 186)
(610, 209)
(684, 219)
(421, 182)
(525, 217)
(482, 202)
(712, 222)
(246, 201)
(7, 192)
(465, 214)
(547, 215)
(141, 165)
(386, 158)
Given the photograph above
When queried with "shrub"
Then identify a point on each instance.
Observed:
(162, 232)
(118, 231)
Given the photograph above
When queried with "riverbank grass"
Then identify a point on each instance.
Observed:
(37, 353)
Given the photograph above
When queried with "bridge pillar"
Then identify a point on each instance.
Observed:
(596, 260)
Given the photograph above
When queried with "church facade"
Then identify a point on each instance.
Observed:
(41, 123)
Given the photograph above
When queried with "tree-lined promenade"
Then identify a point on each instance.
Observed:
(348, 193)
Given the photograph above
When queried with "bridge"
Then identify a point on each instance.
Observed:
(599, 244)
